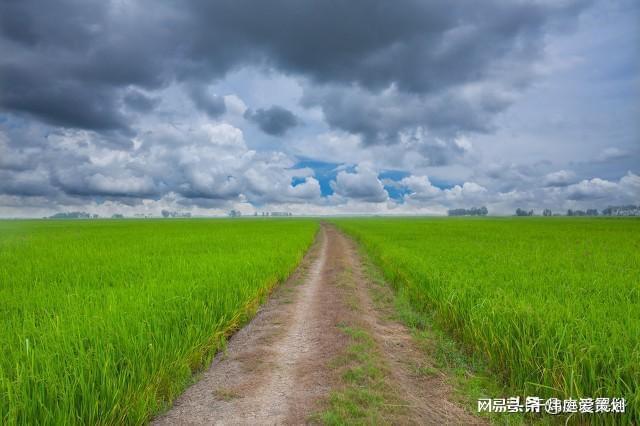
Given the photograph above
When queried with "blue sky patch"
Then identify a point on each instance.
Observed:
(324, 172)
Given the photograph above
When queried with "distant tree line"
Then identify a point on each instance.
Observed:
(589, 212)
(81, 215)
(628, 210)
(279, 214)
(74, 215)
(473, 211)
(167, 213)
(521, 212)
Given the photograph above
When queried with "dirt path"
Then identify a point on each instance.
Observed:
(428, 397)
(277, 369)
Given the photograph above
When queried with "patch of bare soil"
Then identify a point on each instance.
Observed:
(276, 370)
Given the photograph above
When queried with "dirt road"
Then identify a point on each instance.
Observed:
(278, 369)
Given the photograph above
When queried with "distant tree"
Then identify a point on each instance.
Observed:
(522, 212)
(592, 212)
(547, 212)
(165, 213)
(117, 216)
(71, 215)
(628, 210)
(473, 211)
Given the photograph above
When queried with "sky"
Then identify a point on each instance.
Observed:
(407, 107)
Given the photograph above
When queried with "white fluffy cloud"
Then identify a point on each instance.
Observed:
(589, 189)
(363, 184)
(627, 189)
(202, 165)
(421, 190)
(588, 193)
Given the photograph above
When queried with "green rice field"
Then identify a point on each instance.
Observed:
(104, 322)
(552, 304)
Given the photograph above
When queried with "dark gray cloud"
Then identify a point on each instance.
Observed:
(559, 179)
(67, 62)
(63, 102)
(275, 121)
(383, 118)
(429, 55)
(213, 105)
(28, 184)
(140, 102)
(421, 46)
(32, 24)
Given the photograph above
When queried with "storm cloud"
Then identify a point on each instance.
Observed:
(162, 102)
(274, 121)
(213, 105)
(68, 62)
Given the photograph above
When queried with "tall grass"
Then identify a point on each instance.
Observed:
(104, 322)
(552, 304)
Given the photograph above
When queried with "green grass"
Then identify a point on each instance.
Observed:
(551, 305)
(466, 372)
(365, 394)
(105, 322)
